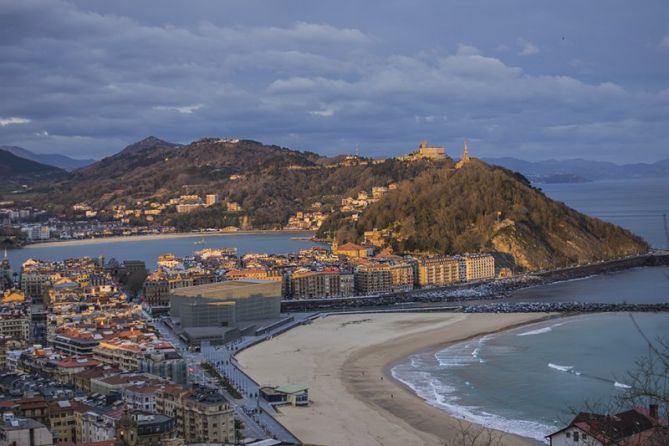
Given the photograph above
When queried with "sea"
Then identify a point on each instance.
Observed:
(148, 250)
(532, 380)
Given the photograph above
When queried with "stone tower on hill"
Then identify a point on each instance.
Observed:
(465, 157)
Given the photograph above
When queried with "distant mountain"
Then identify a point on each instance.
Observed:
(574, 170)
(60, 161)
(146, 143)
(16, 171)
(480, 207)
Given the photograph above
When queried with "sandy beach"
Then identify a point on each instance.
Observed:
(345, 362)
(139, 238)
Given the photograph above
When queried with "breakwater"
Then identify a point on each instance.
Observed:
(564, 307)
(655, 258)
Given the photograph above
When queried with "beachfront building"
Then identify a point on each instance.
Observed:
(225, 303)
(402, 277)
(438, 271)
(315, 284)
(373, 278)
(293, 394)
(479, 267)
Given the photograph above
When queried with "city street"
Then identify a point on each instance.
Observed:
(255, 413)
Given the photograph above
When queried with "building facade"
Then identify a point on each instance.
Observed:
(438, 271)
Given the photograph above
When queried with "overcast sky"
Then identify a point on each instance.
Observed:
(526, 78)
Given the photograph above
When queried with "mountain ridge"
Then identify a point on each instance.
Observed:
(583, 169)
(16, 171)
(56, 160)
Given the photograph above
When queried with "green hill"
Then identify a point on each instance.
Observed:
(269, 182)
(486, 208)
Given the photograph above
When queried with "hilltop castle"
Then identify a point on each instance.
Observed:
(425, 152)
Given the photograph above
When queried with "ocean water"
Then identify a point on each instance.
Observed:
(636, 285)
(532, 380)
(149, 250)
(635, 204)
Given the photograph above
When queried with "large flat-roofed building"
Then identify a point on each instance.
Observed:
(225, 303)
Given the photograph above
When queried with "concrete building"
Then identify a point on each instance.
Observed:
(373, 279)
(315, 284)
(75, 345)
(156, 290)
(402, 277)
(16, 431)
(479, 267)
(438, 271)
(15, 324)
(158, 358)
(200, 415)
(225, 303)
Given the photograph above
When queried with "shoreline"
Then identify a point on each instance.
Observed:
(147, 237)
(345, 361)
(387, 369)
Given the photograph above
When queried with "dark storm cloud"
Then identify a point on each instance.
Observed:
(87, 78)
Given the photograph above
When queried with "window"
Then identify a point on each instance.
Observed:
(575, 437)
(568, 434)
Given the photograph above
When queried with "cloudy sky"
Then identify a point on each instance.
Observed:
(525, 78)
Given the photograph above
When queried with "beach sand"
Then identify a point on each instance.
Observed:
(345, 362)
(138, 238)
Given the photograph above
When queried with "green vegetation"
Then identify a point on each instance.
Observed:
(486, 208)
(273, 182)
(222, 380)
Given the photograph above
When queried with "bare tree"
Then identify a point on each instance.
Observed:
(470, 434)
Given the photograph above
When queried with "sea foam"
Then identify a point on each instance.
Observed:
(540, 330)
(562, 368)
(440, 395)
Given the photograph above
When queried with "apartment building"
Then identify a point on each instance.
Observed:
(315, 284)
(15, 324)
(438, 271)
(200, 415)
(479, 267)
(373, 279)
(402, 277)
